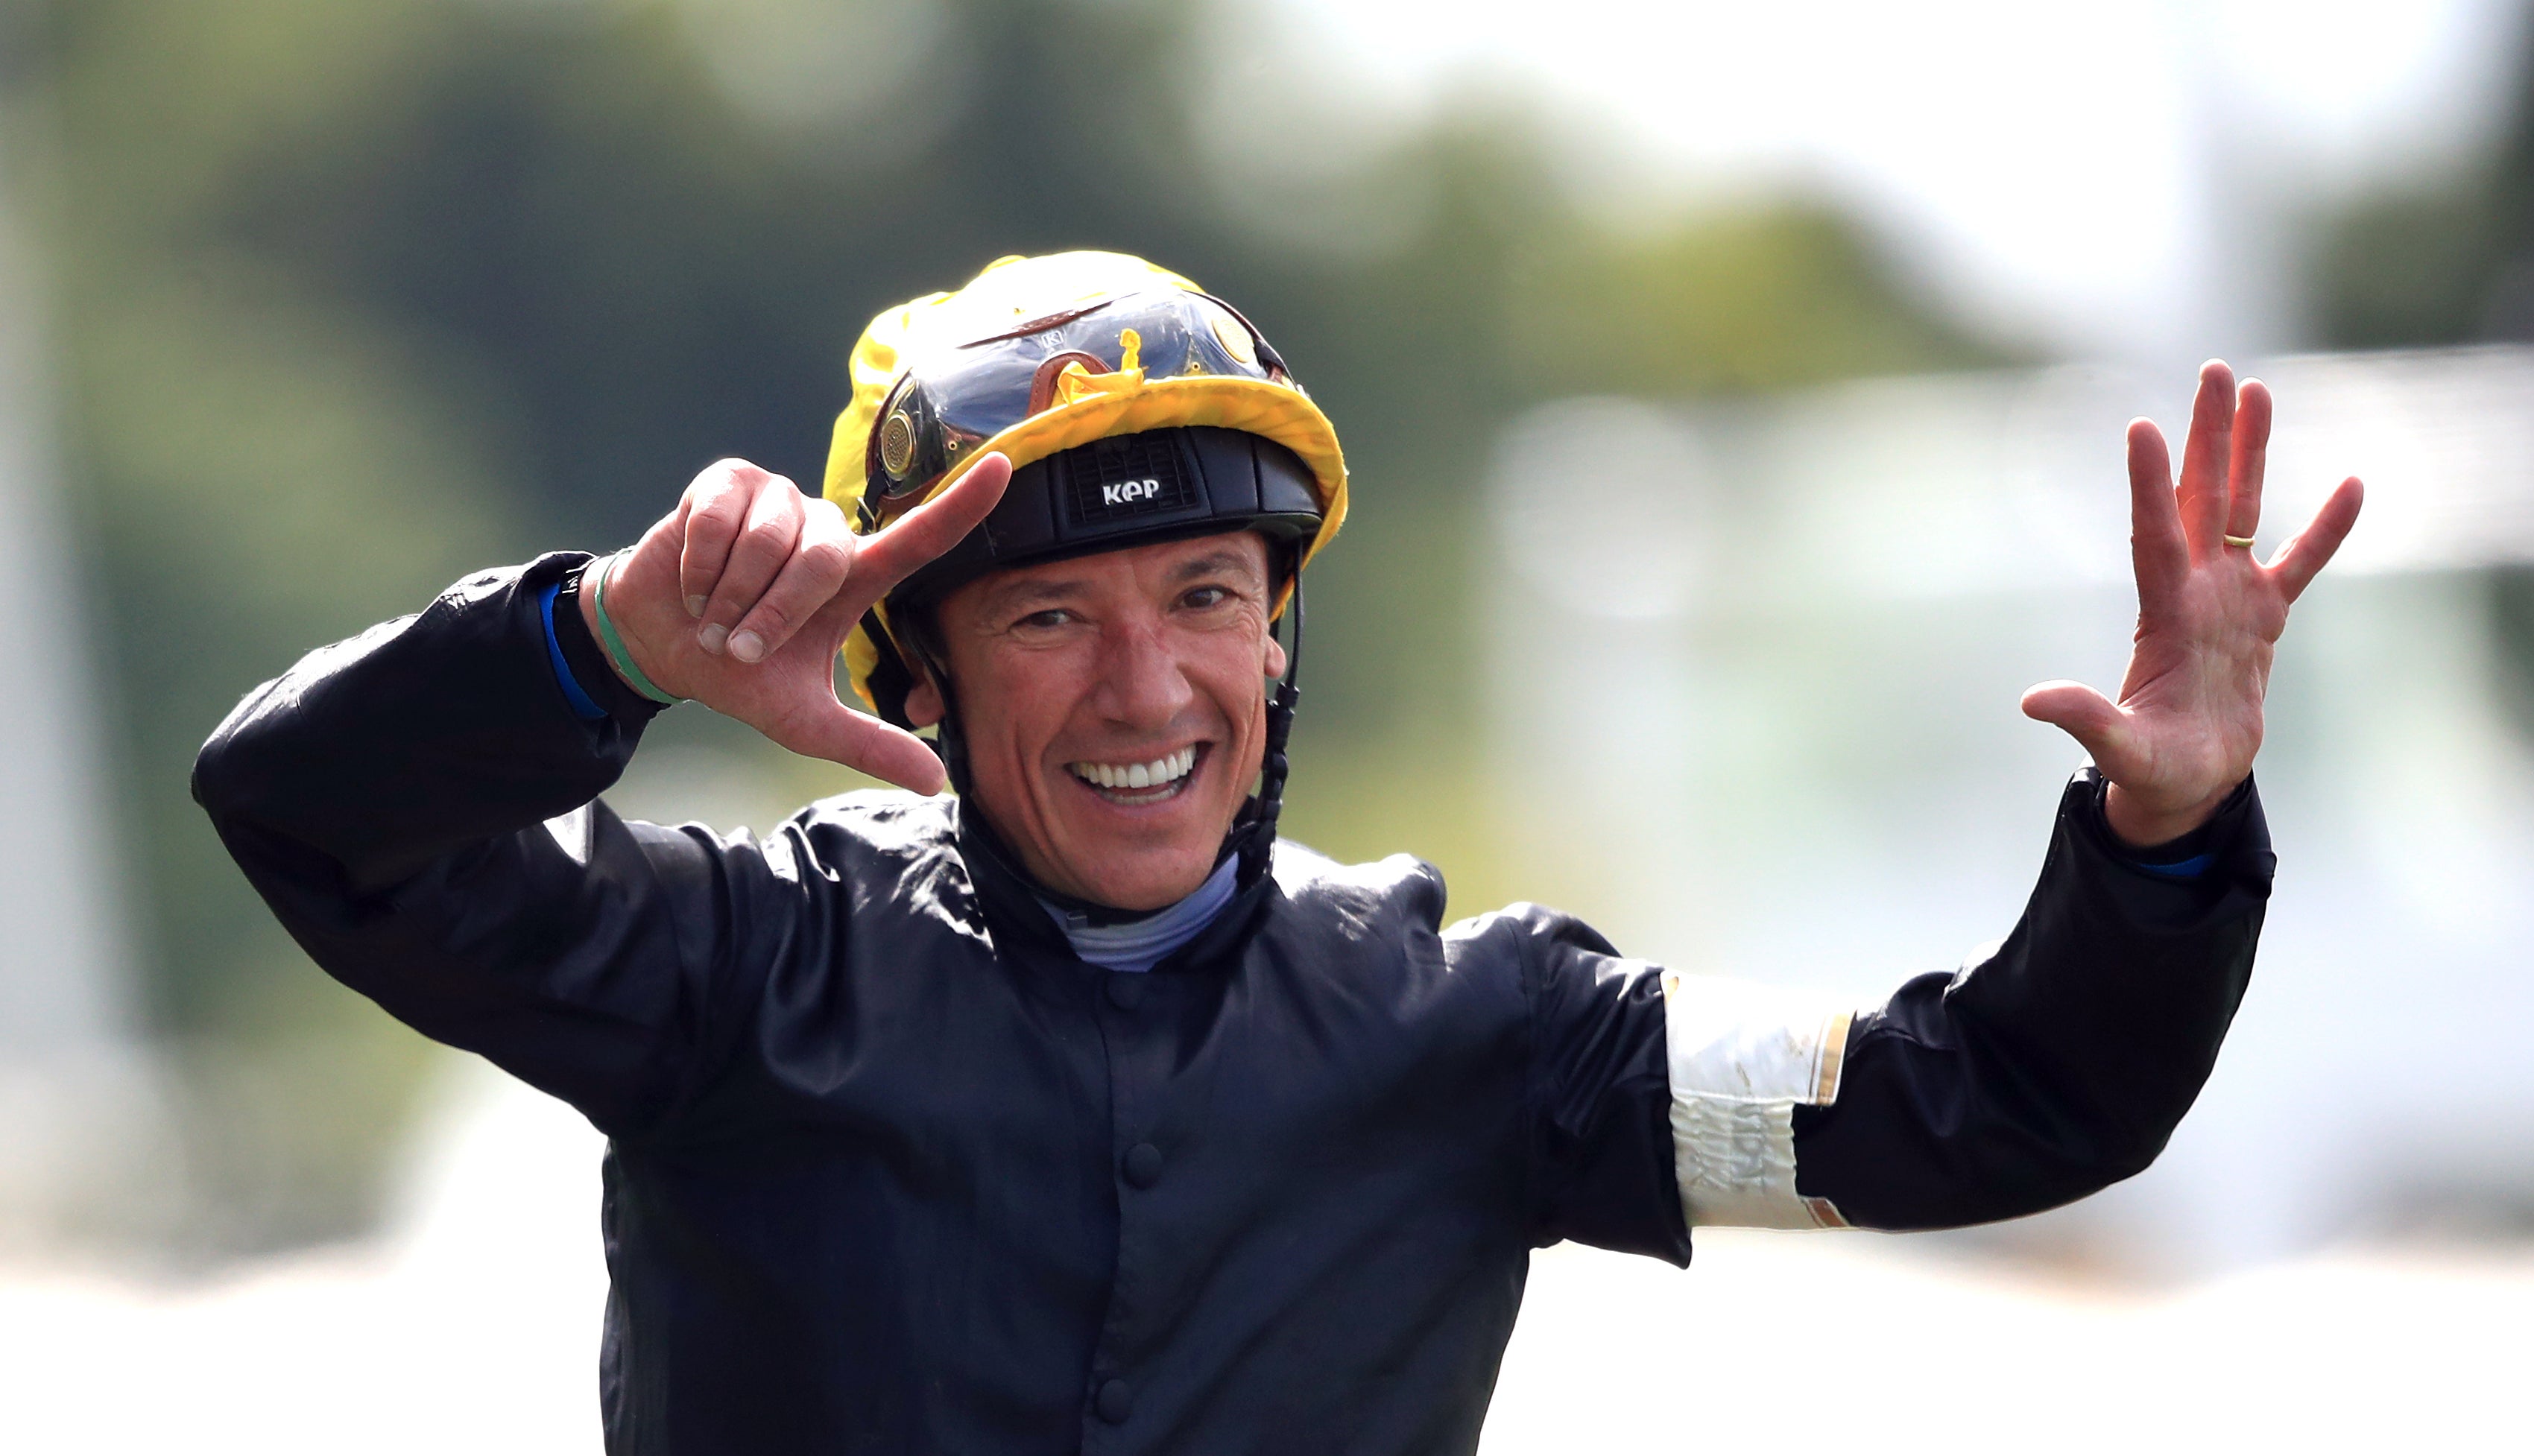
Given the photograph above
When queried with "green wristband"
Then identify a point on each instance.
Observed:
(617, 657)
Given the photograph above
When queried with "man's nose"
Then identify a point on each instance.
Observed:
(1142, 684)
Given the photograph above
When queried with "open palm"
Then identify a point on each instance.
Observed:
(2189, 719)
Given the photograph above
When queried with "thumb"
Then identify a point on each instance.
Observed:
(2079, 711)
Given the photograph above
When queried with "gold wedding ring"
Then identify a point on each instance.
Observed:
(2244, 541)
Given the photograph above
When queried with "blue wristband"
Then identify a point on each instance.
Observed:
(583, 706)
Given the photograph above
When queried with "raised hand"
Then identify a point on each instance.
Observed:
(2189, 719)
(741, 596)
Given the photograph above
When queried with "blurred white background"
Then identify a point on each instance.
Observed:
(2120, 179)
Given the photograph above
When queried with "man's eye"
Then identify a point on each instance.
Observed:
(1051, 616)
(1208, 596)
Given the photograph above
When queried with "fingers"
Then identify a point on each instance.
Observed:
(2250, 458)
(757, 563)
(2085, 714)
(715, 509)
(2160, 554)
(2206, 454)
(930, 530)
(808, 580)
(761, 559)
(865, 744)
(2305, 553)
(768, 531)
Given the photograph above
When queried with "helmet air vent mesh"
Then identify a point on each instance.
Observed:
(1127, 476)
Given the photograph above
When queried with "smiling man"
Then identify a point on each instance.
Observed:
(1114, 777)
(1077, 1112)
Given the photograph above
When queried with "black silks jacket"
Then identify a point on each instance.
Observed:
(890, 1170)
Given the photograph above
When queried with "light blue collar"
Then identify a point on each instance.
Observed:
(1141, 945)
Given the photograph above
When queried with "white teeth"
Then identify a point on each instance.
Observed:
(1157, 774)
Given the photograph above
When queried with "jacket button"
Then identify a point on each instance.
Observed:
(1115, 1402)
(1125, 991)
(1143, 1168)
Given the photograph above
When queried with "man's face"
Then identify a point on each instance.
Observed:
(1114, 708)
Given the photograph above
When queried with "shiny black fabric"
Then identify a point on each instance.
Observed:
(890, 1170)
(2061, 1061)
(875, 1179)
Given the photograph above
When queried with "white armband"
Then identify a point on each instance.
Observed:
(1742, 1058)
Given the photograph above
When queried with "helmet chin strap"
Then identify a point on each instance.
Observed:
(1254, 833)
(1272, 765)
(947, 743)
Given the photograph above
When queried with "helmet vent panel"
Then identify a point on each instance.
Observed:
(1127, 476)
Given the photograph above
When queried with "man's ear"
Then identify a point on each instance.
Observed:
(923, 701)
(1275, 653)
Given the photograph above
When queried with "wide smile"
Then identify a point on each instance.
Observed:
(1150, 781)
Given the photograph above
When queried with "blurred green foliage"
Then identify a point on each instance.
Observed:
(353, 298)
(2441, 260)
(2448, 260)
